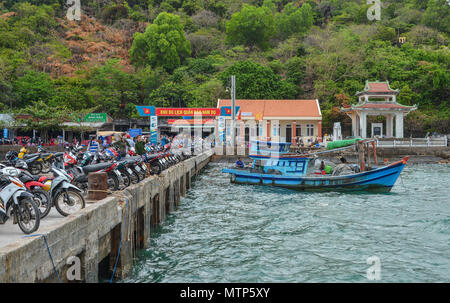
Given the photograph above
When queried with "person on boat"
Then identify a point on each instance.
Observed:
(343, 169)
(325, 169)
(239, 163)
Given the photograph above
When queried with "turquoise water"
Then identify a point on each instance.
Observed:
(226, 232)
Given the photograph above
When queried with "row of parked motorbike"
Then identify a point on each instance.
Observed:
(27, 197)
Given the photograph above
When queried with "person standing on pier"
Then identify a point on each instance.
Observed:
(139, 146)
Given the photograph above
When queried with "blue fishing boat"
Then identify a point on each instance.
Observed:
(274, 165)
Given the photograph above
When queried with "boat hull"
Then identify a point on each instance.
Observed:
(378, 180)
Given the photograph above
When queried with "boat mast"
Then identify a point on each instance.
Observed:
(374, 153)
(362, 164)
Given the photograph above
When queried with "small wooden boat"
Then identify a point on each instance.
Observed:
(274, 165)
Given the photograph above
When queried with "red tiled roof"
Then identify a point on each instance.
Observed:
(377, 87)
(276, 108)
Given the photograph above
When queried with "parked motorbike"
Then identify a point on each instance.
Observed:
(35, 162)
(66, 197)
(37, 188)
(34, 166)
(16, 201)
(80, 175)
(48, 158)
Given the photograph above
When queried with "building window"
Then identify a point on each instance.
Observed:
(309, 130)
(298, 130)
(276, 130)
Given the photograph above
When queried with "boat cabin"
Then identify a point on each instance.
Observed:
(275, 158)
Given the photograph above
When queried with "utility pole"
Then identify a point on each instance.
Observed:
(233, 111)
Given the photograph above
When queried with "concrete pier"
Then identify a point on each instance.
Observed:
(85, 245)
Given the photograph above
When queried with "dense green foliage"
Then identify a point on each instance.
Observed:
(251, 26)
(186, 51)
(163, 43)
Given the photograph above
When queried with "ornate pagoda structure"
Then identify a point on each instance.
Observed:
(378, 99)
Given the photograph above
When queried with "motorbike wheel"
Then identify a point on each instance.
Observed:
(46, 167)
(143, 173)
(43, 201)
(113, 182)
(126, 178)
(83, 187)
(135, 177)
(35, 168)
(69, 202)
(156, 168)
(27, 215)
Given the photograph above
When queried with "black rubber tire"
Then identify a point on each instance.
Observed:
(137, 177)
(70, 192)
(115, 182)
(143, 173)
(35, 168)
(46, 167)
(126, 177)
(156, 168)
(44, 206)
(29, 210)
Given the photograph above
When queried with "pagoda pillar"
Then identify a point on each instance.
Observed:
(354, 124)
(399, 125)
(389, 125)
(363, 124)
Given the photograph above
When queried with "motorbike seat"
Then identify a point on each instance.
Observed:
(45, 155)
(58, 154)
(32, 159)
(95, 167)
(28, 156)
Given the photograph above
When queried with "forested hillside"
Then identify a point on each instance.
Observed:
(182, 52)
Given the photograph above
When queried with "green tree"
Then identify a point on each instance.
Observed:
(42, 117)
(437, 15)
(112, 89)
(206, 94)
(5, 93)
(33, 86)
(170, 94)
(72, 93)
(294, 20)
(251, 26)
(162, 44)
(256, 81)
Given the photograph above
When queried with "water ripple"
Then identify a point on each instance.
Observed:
(237, 233)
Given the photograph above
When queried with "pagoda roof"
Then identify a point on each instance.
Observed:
(379, 105)
(378, 88)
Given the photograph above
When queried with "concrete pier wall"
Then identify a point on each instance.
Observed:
(94, 234)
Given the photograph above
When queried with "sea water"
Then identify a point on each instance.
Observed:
(225, 232)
